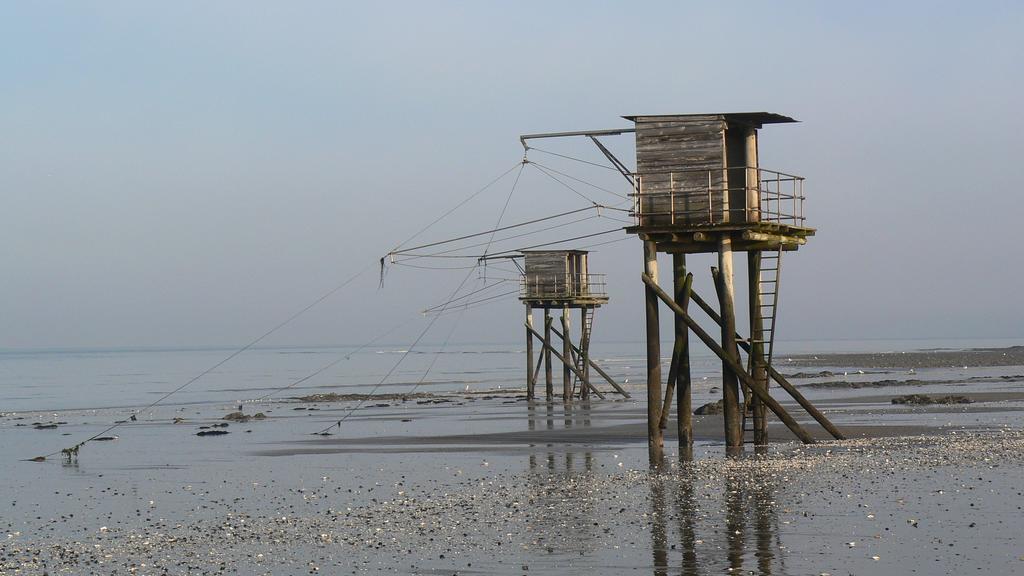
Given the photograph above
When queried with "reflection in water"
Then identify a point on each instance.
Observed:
(747, 516)
(734, 521)
(659, 534)
(686, 508)
(531, 424)
(559, 480)
(705, 516)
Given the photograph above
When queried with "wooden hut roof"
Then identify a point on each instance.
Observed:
(756, 119)
(553, 252)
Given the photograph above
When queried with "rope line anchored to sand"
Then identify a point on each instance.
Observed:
(438, 311)
(72, 452)
(434, 317)
(332, 363)
(399, 254)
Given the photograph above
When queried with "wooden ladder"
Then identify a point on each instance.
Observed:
(768, 303)
(578, 359)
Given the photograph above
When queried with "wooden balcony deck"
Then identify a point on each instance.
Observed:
(554, 301)
(746, 236)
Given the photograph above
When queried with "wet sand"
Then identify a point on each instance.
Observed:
(489, 483)
(581, 425)
(926, 505)
(936, 358)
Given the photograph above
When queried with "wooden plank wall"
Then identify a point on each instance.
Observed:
(678, 154)
(546, 273)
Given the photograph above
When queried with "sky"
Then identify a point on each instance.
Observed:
(195, 173)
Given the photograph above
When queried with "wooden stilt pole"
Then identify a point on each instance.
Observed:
(684, 405)
(670, 388)
(584, 353)
(586, 386)
(758, 362)
(566, 357)
(730, 385)
(549, 389)
(568, 362)
(737, 369)
(598, 369)
(679, 278)
(778, 377)
(539, 364)
(531, 381)
(655, 439)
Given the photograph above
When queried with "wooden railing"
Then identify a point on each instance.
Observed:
(701, 196)
(562, 287)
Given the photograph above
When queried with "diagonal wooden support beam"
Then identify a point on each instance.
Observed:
(778, 377)
(531, 378)
(566, 353)
(770, 402)
(565, 361)
(673, 370)
(677, 352)
(540, 363)
(597, 368)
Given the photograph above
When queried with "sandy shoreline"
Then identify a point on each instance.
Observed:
(937, 358)
(566, 513)
(486, 482)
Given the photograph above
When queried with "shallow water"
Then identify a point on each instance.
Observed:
(485, 483)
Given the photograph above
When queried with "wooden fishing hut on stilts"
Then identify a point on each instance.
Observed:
(698, 188)
(561, 280)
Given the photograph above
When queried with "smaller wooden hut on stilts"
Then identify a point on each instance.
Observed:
(561, 280)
